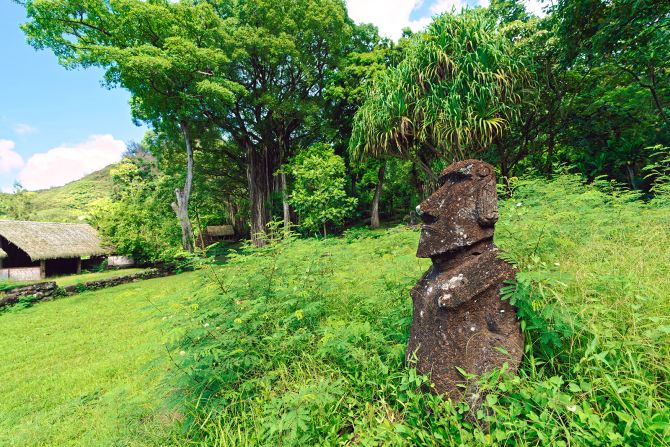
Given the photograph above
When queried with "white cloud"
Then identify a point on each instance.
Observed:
(391, 16)
(64, 164)
(535, 7)
(441, 6)
(24, 129)
(9, 160)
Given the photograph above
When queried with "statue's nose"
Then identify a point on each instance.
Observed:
(426, 215)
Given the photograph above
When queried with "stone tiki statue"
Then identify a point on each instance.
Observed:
(459, 319)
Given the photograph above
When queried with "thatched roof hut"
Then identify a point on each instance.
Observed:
(220, 230)
(47, 240)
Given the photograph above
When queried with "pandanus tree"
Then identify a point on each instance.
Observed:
(453, 94)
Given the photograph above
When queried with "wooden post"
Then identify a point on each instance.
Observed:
(43, 269)
(78, 266)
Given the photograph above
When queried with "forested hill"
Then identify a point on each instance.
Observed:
(67, 203)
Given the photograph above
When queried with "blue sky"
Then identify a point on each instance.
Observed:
(45, 107)
(57, 125)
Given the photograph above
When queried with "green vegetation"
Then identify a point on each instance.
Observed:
(264, 111)
(68, 280)
(67, 203)
(86, 370)
(318, 193)
(94, 276)
(303, 343)
(235, 96)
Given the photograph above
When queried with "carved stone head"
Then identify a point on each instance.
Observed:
(462, 212)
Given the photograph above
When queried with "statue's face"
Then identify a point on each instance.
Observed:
(461, 212)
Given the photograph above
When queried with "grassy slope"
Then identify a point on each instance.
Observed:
(69, 203)
(308, 340)
(85, 370)
(68, 280)
(304, 344)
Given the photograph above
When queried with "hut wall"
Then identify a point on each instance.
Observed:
(21, 274)
(120, 261)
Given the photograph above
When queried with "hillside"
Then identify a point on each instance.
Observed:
(70, 202)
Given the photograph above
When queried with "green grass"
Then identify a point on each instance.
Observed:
(303, 343)
(86, 370)
(68, 280)
(95, 276)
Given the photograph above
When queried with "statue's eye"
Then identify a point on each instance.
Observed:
(453, 177)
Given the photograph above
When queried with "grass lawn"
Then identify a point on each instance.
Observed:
(86, 370)
(303, 343)
(68, 280)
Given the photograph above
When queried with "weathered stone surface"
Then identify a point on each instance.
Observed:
(40, 292)
(459, 319)
(49, 290)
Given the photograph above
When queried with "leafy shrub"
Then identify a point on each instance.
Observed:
(658, 173)
(318, 193)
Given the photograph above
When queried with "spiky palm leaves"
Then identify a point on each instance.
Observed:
(452, 95)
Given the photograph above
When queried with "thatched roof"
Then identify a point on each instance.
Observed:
(2, 254)
(220, 230)
(47, 240)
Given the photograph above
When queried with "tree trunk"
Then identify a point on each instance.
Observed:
(374, 221)
(551, 147)
(183, 196)
(631, 176)
(237, 224)
(285, 204)
(258, 195)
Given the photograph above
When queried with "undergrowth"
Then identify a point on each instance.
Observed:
(302, 343)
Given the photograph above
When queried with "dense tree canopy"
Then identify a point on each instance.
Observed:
(236, 92)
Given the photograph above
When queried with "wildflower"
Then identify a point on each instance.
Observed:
(182, 353)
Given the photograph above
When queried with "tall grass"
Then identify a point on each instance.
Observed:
(302, 343)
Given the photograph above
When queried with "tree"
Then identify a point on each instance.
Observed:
(254, 69)
(165, 54)
(451, 96)
(346, 93)
(632, 36)
(136, 219)
(282, 54)
(19, 204)
(318, 193)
